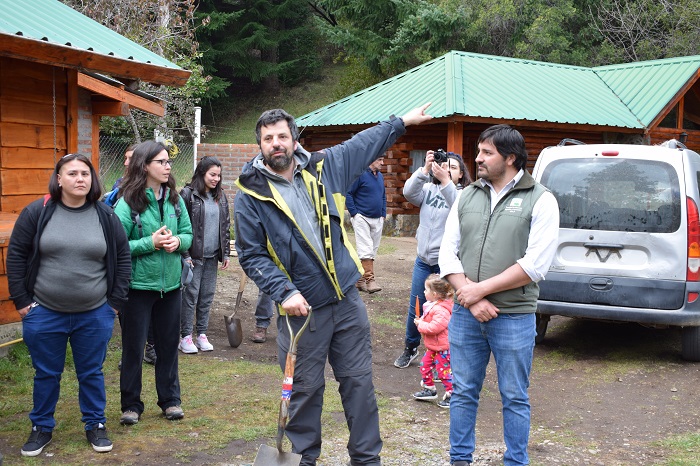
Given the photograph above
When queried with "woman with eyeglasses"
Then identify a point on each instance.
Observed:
(432, 187)
(68, 269)
(158, 228)
(208, 209)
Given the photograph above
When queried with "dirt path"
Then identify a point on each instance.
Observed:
(602, 394)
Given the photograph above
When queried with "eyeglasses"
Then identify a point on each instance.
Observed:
(164, 162)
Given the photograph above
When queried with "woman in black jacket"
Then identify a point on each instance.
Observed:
(208, 208)
(68, 269)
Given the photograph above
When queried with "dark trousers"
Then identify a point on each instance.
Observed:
(163, 312)
(340, 334)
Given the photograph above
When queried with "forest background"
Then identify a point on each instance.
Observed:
(250, 55)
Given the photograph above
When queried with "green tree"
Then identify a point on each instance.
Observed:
(167, 28)
(259, 41)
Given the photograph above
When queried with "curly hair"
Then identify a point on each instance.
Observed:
(439, 286)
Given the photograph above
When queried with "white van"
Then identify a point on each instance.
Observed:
(629, 236)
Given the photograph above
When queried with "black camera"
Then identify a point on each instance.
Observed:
(440, 156)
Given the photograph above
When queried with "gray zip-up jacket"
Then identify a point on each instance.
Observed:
(435, 203)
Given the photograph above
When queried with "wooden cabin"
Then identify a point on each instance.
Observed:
(54, 88)
(638, 103)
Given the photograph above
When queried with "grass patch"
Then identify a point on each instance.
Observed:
(236, 125)
(682, 450)
(386, 248)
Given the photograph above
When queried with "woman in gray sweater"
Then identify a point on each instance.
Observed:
(433, 188)
(68, 269)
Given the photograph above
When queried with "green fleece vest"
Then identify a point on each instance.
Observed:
(492, 242)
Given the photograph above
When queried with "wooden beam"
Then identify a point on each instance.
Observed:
(110, 108)
(95, 156)
(70, 57)
(455, 137)
(102, 88)
(73, 107)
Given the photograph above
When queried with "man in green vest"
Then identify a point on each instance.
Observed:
(500, 238)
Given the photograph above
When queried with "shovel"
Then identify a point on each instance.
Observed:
(270, 456)
(234, 331)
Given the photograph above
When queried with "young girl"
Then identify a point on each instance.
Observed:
(433, 326)
(208, 209)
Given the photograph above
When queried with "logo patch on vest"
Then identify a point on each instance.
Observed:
(515, 205)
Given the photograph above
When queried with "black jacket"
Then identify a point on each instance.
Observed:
(195, 207)
(23, 255)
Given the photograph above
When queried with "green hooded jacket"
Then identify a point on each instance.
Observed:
(151, 269)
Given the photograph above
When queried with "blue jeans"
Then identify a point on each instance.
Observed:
(47, 333)
(264, 310)
(511, 339)
(421, 270)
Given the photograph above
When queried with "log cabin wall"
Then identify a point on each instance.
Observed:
(28, 92)
(27, 129)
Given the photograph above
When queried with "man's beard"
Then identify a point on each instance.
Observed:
(279, 163)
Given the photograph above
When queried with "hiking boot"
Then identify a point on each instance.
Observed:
(426, 394)
(36, 442)
(203, 343)
(187, 346)
(129, 418)
(408, 355)
(173, 413)
(445, 402)
(361, 285)
(97, 436)
(260, 335)
(149, 354)
(372, 286)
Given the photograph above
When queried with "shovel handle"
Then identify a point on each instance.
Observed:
(288, 381)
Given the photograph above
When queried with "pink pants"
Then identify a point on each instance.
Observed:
(440, 360)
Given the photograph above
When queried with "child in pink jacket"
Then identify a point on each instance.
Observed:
(437, 312)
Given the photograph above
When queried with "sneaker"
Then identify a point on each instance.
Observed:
(203, 343)
(129, 418)
(408, 355)
(260, 335)
(445, 402)
(173, 413)
(97, 436)
(36, 442)
(186, 345)
(149, 354)
(426, 394)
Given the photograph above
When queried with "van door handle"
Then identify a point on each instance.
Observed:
(601, 284)
(603, 246)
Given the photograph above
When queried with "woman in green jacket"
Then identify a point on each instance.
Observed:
(151, 212)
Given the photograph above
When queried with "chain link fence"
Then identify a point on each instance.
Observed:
(112, 161)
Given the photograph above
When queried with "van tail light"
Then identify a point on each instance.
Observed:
(693, 273)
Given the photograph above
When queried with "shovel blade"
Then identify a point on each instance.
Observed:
(234, 331)
(271, 456)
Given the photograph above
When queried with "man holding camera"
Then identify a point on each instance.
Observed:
(366, 202)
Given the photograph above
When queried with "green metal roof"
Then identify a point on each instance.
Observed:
(475, 85)
(54, 22)
(647, 87)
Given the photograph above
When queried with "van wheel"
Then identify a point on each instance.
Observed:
(541, 322)
(690, 343)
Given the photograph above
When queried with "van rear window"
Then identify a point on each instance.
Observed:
(615, 194)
